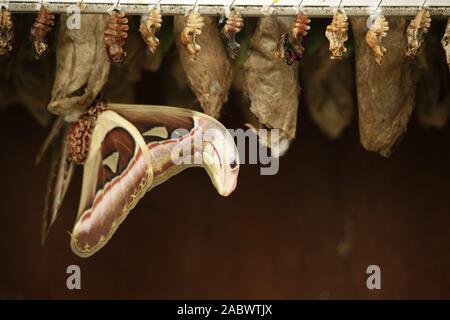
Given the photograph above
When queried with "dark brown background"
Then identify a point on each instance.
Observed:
(308, 232)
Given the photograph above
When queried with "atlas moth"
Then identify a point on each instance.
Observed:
(446, 42)
(43, 24)
(193, 28)
(336, 33)
(115, 35)
(233, 25)
(416, 31)
(149, 27)
(290, 48)
(6, 31)
(374, 36)
(125, 151)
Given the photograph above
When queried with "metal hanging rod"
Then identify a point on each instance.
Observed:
(314, 8)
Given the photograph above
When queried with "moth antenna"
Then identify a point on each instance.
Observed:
(54, 132)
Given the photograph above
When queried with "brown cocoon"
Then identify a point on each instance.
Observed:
(82, 66)
(272, 85)
(385, 92)
(210, 75)
(330, 91)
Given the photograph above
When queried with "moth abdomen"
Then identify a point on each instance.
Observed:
(80, 134)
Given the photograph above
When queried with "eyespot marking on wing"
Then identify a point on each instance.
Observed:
(160, 132)
(112, 161)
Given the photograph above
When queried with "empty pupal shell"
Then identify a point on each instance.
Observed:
(233, 25)
(192, 29)
(115, 35)
(416, 31)
(375, 35)
(290, 48)
(336, 33)
(149, 27)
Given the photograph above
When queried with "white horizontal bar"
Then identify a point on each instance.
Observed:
(245, 7)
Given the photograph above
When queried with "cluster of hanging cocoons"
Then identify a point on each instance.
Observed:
(272, 89)
(125, 149)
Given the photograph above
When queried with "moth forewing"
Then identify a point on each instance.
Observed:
(102, 208)
(202, 132)
(60, 176)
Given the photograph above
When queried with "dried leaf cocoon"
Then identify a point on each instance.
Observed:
(82, 66)
(272, 85)
(385, 93)
(330, 91)
(433, 87)
(123, 77)
(209, 75)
